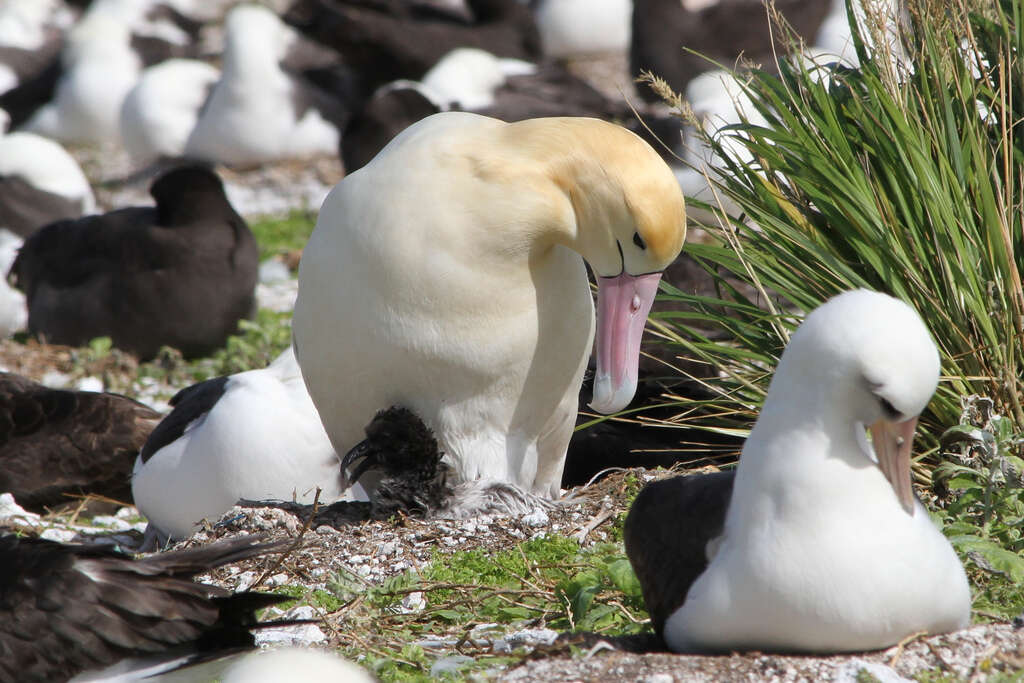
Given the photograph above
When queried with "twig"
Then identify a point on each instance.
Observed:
(599, 519)
(942, 660)
(624, 610)
(294, 546)
(530, 571)
(607, 470)
(902, 644)
(78, 510)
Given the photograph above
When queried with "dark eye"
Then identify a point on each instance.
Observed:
(889, 409)
(638, 240)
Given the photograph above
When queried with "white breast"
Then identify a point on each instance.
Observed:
(422, 301)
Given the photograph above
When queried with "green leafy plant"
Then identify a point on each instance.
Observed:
(983, 475)
(258, 342)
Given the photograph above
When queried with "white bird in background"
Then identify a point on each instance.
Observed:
(40, 164)
(257, 112)
(718, 100)
(161, 110)
(834, 40)
(467, 77)
(100, 67)
(578, 28)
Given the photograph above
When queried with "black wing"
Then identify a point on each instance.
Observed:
(190, 404)
(666, 535)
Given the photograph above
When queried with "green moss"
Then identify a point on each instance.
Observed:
(276, 235)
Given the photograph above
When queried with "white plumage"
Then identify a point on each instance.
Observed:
(294, 664)
(468, 77)
(575, 28)
(261, 440)
(825, 549)
(100, 67)
(446, 276)
(45, 165)
(718, 100)
(250, 117)
(161, 110)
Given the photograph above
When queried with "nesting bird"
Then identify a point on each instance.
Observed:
(99, 68)
(162, 108)
(817, 543)
(257, 111)
(576, 28)
(472, 79)
(447, 276)
(39, 183)
(254, 435)
(180, 274)
(384, 42)
(30, 40)
(57, 442)
(78, 609)
(715, 32)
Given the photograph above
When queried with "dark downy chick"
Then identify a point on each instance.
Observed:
(402, 454)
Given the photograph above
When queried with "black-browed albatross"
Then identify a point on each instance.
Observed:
(823, 546)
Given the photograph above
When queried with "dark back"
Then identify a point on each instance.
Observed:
(666, 534)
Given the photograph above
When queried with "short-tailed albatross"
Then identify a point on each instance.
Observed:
(823, 546)
(447, 276)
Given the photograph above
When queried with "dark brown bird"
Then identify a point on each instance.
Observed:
(665, 32)
(180, 274)
(65, 609)
(550, 91)
(56, 442)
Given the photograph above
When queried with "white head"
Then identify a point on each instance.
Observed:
(628, 222)
(867, 358)
(253, 33)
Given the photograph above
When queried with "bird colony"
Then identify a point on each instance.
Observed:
(505, 203)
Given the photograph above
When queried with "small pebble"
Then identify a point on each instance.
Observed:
(245, 580)
(89, 384)
(449, 665)
(59, 535)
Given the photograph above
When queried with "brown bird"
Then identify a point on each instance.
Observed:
(66, 609)
(180, 274)
(56, 442)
